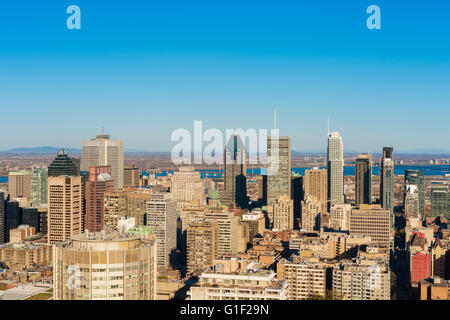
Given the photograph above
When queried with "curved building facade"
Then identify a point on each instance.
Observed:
(105, 266)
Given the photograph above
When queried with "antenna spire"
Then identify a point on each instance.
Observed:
(275, 117)
(328, 125)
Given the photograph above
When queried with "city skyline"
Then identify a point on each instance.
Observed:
(136, 66)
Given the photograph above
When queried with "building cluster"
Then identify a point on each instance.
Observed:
(110, 231)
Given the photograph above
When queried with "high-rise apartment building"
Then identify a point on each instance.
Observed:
(162, 218)
(235, 173)
(187, 186)
(416, 177)
(105, 266)
(99, 183)
(354, 281)
(63, 165)
(279, 168)
(363, 179)
(311, 214)
(340, 216)
(39, 187)
(335, 168)
(228, 230)
(19, 184)
(65, 208)
(306, 279)
(283, 213)
(102, 151)
(315, 184)
(387, 179)
(373, 221)
(202, 242)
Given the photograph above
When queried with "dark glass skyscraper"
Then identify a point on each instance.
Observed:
(2, 217)
(31, 217)
(235, 173)
(62, 165)
(440, 200)
(12, 217)
(363, 179)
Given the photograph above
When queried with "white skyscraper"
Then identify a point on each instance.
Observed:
(335, 165)
(162, 218)
(102, 151)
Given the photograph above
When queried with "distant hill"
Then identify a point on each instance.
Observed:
(71, 151)
(41, 150)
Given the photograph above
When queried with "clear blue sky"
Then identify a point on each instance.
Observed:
(144, 68)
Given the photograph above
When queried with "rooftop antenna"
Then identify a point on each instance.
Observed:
(103, 130)
(275, 117)
(328, 125)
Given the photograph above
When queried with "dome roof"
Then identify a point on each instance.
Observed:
(214, 195)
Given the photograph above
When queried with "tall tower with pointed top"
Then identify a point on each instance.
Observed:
(335, 167)
(63, 165)
(279, 159)
(235, 173)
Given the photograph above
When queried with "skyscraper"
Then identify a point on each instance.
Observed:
(13, 217)
(39, 187)
(335, 168)
(102, 151)
(387, 179)
(411, 202)
(62, 165)
(363, 179)
(2, 217)
(235, 173)
(65, 208)
(279, 158)
(315, 184)
(99, 183)
(297, 195)
(19, 184)
(440, 200)
(162, 218)
(416, 177)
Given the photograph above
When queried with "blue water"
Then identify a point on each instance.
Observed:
(431, 170)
